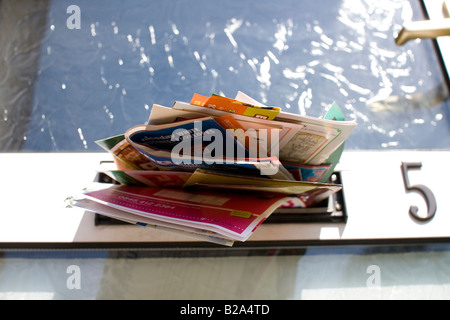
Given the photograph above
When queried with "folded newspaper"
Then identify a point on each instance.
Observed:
(215, 168)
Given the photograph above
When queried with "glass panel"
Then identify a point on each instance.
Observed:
(415, 272)
(61, 88)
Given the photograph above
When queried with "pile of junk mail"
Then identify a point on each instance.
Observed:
(216, 168)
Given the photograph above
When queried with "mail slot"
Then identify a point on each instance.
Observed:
(330, 210)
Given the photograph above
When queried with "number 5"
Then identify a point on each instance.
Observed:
(423, 190)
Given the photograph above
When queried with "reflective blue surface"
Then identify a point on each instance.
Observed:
(300, 55)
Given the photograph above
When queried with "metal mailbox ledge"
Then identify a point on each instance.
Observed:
(376, 194)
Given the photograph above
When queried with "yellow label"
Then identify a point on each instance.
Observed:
(242, 214)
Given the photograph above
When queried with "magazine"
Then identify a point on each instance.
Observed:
(217, 180)
(163, 115)
(335, 115)
(235, 106)
(117, 214)
(185, 143)
(266, 143)
(307, 140)
(150, 178)
(192, 149)
(309, 173)
(233, 216)
(125, 155)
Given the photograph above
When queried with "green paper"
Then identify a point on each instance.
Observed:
(334, 113)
